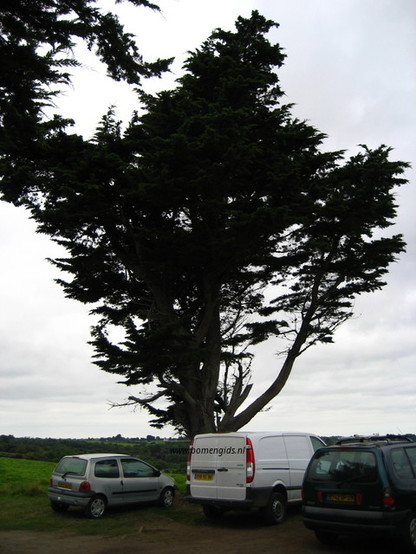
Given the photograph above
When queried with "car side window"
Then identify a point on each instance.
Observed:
(136, 468)
(107, 469)
(401, 464)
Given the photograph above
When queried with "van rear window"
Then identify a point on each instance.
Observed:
(352, 466)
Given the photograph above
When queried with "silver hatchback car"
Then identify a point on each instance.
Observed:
(95, 481)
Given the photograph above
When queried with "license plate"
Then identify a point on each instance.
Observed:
(349, 498)
(63, 485)
(204, 476)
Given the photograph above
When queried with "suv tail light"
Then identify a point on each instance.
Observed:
(388, 500)
(250, 467)
(85, 487)
(188, 464)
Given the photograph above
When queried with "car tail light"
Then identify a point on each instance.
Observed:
(85, 487)
(388, 500)
(250, 467)
(51, 482)
(188, 464)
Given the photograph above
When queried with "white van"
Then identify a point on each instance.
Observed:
(245, 470)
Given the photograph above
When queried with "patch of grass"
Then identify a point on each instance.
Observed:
(180, 480)
(26, 477)
(20, 512)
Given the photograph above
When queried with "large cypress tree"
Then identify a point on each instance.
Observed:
(213, 223)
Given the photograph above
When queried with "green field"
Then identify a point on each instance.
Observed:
(26, 477)
(24, 504)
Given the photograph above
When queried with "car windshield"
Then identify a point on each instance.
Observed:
(71, 465)
(344, 466)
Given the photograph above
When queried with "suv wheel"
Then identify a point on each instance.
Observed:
(409, 533)
(275, 511)
(96, 507)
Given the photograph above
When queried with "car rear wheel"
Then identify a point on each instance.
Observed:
(96, 507)
(275, 511)
(59, 507)
(166, 497)
(326, 537)
(409, 533)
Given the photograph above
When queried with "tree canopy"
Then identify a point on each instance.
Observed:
(37, 52)
(213, 222)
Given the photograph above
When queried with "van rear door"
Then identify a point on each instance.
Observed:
(218, 467)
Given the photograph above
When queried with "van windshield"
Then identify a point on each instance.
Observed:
(344, 466)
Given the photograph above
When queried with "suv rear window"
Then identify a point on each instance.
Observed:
(75, 466)
(352, 466)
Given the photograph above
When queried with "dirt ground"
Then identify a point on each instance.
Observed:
(233, 535)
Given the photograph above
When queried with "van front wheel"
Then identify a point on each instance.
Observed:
(275, 511)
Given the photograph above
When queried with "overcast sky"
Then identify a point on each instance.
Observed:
(351, 71)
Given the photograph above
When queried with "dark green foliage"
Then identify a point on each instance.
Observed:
(178, 227)
(37, 38)
(165, 454)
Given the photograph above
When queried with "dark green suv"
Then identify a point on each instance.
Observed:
(362, 485)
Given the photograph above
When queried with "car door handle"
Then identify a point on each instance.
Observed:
(222, 469)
